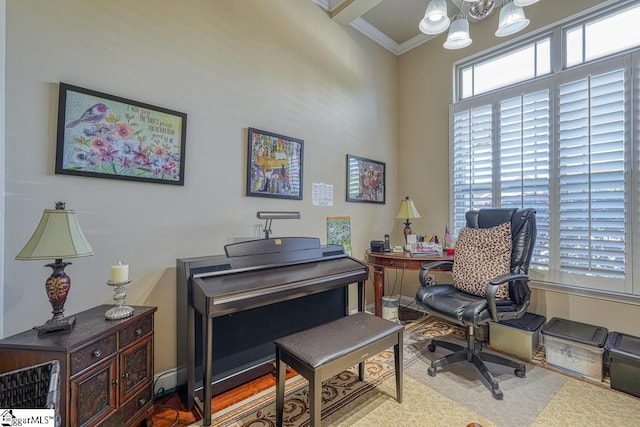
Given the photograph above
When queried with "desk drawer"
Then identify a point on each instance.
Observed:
(394, 263)
(408, 263)
(93, 353)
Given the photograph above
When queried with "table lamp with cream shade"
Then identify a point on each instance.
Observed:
(57, 236)
(407, 211)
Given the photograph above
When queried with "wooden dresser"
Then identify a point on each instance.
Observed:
(106, 366)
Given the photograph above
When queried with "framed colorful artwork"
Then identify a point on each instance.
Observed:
(274, 165)
(105, 136)
(365, 180)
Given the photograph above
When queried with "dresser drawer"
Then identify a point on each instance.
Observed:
(136, 331)
(129, 411)
(92, 354)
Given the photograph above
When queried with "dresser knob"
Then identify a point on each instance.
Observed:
(114, 383)
(142, 401)
(125, 376)
(138, 332)
(97, 353)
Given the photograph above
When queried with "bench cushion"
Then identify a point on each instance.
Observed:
(324, 343)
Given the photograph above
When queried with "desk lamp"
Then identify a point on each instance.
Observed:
(407, 211)
(57, 236)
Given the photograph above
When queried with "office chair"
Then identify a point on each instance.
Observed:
(490, 283)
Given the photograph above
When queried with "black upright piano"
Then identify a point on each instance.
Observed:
(231, 308)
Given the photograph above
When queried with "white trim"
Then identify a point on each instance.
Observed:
(167, 380)
(368, 30)
(587, 293)
(322, 3)
(385, 41)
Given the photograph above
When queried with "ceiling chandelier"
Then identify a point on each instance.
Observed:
(436, 19)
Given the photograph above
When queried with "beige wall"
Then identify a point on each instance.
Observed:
(282, 66)
(425, 92)
(276, 65)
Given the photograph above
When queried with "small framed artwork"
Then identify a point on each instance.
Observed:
(106, 136)
(365, 180)
(274, 165)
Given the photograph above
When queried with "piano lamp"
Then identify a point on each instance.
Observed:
(269, 216)
(57, 236)
(407, 211)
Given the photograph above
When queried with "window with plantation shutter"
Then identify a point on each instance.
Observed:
(524, 162)
(566, 144)
(472, 162)
(591, 173)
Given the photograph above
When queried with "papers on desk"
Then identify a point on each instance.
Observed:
(427, 249)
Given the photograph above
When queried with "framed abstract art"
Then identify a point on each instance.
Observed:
(274, 165)
(365, 180)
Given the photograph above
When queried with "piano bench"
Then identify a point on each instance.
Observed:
(324, 351)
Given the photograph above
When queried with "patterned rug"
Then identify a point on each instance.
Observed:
(456, 396)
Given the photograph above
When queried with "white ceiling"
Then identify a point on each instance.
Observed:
(391, 23)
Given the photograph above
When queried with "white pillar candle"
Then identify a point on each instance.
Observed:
(119, 273)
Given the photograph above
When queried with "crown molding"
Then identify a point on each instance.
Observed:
(368, 30)
(363, 26)
(322, 3)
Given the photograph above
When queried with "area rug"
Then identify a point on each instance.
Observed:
(456, 396)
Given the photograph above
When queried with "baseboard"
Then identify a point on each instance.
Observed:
(165, 382)
(410, 302)
(405, 302)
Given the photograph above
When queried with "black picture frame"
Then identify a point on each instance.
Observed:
(106, 136)
(274, 165)
(366, 180)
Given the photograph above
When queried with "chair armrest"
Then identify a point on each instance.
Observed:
(428, 266)
(496, 281)
(492, 290)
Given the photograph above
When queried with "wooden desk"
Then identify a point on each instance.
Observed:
(399, 261)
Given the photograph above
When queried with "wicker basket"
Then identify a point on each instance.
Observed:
(33, 387)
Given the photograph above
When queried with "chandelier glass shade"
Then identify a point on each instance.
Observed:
(436, 20)
(511, 21)
(458, 36)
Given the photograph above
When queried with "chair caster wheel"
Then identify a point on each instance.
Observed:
(431, 371)
(497, 393)
(431, 347)
(520, 373)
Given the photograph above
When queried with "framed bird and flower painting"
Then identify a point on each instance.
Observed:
(106, 136)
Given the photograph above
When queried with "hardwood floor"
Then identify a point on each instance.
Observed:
(170, 412)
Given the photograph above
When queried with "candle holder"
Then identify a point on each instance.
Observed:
(120, 311)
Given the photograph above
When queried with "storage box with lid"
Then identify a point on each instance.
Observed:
(575, 347)
(624, 362)
(519, 337)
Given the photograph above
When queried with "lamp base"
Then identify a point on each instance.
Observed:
(52, 325)
(57, 287)
(407, 230)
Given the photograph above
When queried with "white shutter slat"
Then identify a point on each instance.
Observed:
(524, 162)
(591, 176)
(472, 161)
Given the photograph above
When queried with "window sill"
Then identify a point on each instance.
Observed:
(585, 292)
